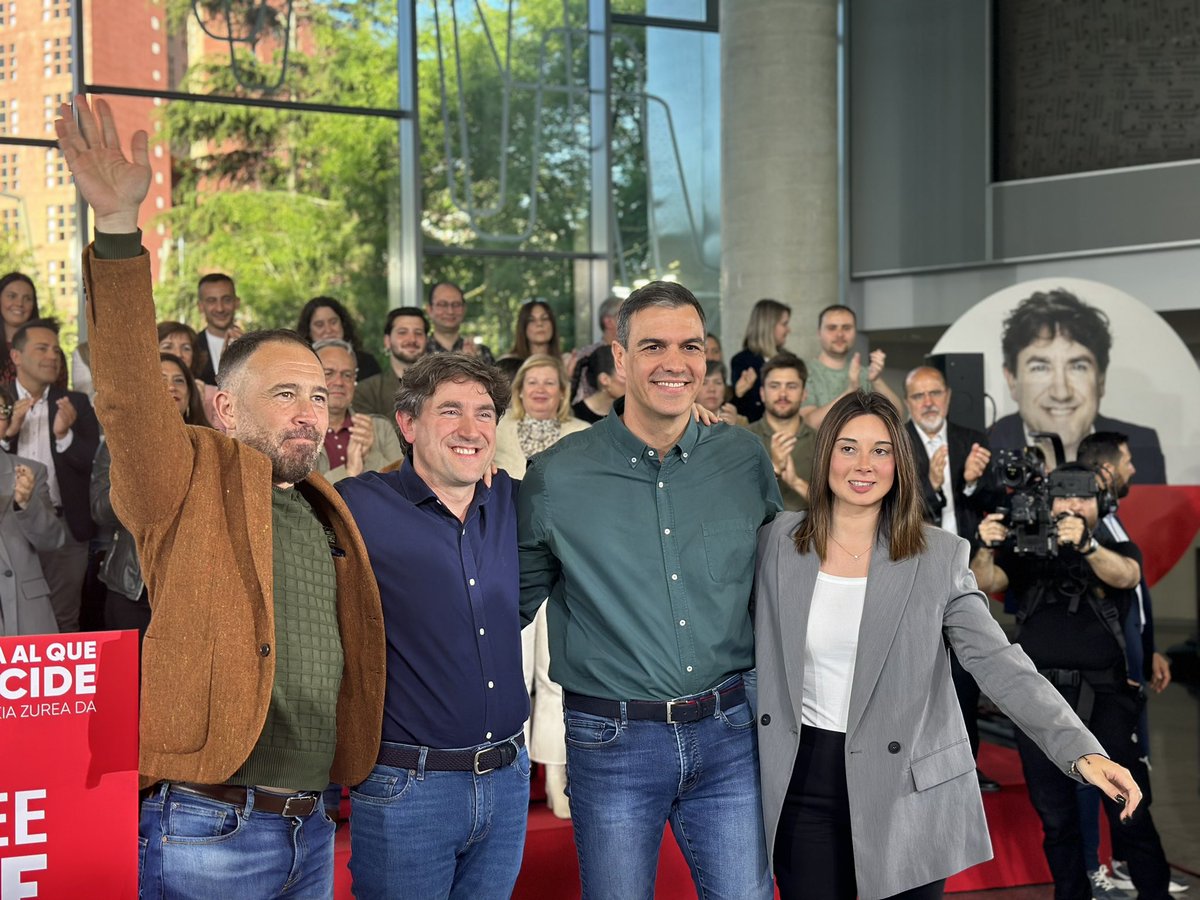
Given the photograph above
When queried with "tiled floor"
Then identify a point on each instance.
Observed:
(1175, 756)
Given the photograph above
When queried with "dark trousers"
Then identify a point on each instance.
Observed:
(1113, 721)
(814, 853)
(968, 698)
(121, 613)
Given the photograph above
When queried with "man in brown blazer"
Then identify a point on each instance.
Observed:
(262, 681)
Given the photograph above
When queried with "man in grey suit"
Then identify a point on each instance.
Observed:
(28, 525)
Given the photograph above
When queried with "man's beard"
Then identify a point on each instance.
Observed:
(407, 358)
(287, 467)
(931, 423)
(785, 412)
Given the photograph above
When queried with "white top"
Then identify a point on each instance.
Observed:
(216, 346)
(33, 441)
(830, 649)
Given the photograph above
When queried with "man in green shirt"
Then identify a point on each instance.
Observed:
(641, 531)
(838, 370)
(405, 334)
(782, 431)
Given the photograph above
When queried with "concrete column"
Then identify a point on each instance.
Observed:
(779, 190)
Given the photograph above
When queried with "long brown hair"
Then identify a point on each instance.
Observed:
(901, 515)
(194, 415)
(520, 346)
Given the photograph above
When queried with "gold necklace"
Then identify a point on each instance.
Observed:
(856, 556)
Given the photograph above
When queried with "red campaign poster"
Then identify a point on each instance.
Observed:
(68, 766)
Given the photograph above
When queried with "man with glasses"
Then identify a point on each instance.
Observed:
(354, 442)
(447, 308)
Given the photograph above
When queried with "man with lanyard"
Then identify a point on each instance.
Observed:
(1109, 452)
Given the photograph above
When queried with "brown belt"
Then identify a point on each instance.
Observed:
(291, 805)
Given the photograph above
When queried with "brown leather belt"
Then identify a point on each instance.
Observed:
(281, 805)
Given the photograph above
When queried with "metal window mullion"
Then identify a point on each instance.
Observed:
(600, 94)
(404, 220)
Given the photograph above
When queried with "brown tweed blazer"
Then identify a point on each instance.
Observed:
(197, 501)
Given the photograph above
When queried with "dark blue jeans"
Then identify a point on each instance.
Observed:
(417, 833)
(628, 779)
(193, 847)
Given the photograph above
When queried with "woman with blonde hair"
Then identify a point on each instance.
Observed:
(867, 777)
(540, 415)
(766, 333)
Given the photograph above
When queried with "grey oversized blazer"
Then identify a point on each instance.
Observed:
(915, 809)
(24, 595)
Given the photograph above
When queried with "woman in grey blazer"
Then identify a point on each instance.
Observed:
(868, 782)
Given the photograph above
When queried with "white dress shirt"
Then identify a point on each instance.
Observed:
(33, 442)
(216, 345)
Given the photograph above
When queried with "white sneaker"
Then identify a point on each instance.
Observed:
(1103, 887)
(1120, 877)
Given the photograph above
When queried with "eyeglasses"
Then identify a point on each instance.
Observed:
(932, 395)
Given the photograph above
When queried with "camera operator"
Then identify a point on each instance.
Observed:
(1072, 599)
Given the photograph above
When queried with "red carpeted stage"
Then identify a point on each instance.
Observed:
(549, 871)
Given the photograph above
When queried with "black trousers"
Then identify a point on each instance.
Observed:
(968, 699)
(1114, 722)
(121, 613)
(814, 854)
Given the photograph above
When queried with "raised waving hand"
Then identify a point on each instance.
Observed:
(113, 186)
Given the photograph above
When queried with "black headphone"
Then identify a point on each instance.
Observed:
(1106, 499)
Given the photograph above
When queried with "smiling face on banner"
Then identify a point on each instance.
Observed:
(1073, 356)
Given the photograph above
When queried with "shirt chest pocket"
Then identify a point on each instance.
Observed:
(729, 547)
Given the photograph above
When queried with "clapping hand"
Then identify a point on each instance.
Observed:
(64, 417)
(22, 484)
(745, 382)
(977, 463)
(875, 369)
(16, 418)
(937, 467)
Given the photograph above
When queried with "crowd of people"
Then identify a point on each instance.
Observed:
(746, 608)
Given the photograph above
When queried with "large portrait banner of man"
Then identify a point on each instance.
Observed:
(1073, 357)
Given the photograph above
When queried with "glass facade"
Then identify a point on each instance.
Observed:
(559, 150)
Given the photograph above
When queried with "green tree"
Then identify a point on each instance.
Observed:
(295, 204)
(291, 204)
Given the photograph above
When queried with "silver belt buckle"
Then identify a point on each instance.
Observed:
(670, 709)
(299, 801)
(479, 753)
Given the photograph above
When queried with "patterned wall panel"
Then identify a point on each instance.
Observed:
(1084, 85)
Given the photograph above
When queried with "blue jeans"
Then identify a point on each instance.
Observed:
(195, 847)
(627, 779)
(419, 833)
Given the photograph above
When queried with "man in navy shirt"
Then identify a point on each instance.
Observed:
(443, 812)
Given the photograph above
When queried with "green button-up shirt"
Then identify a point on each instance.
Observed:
(647, 562)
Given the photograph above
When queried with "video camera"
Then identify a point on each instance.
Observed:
(1030, 523)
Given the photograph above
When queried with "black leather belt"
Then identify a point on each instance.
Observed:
(689, 709)
(478, 760)
(280, 804)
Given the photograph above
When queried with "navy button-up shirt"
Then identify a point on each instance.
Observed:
(450, 593)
